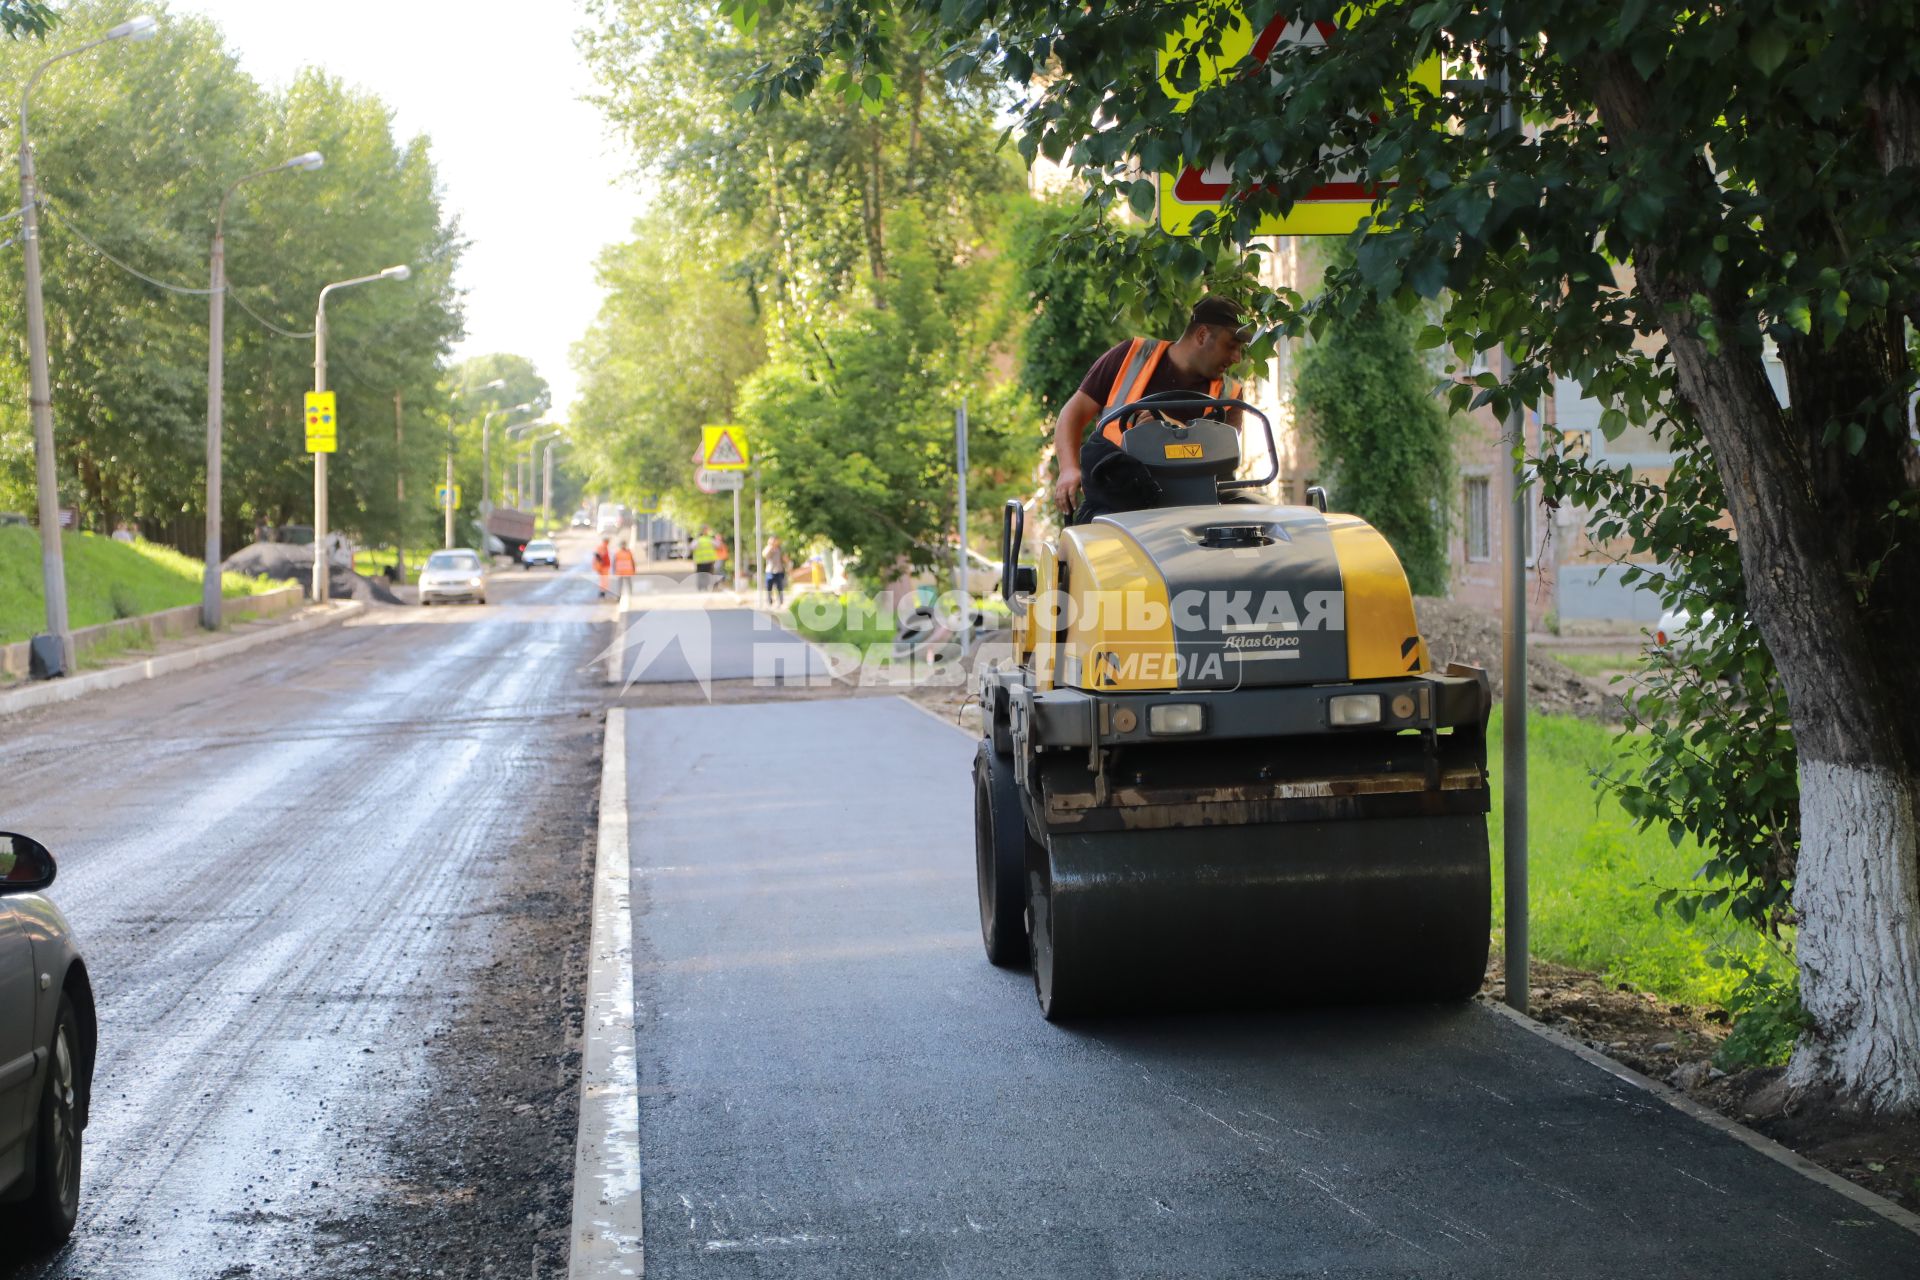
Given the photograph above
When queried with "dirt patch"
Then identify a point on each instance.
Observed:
(1675, 1044)
(1456, 632)
(293, 562)
(483, 1178)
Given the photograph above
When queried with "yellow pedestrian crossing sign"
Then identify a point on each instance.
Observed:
(449, 496)
(323, 433)
(649, 504)
(724, 448)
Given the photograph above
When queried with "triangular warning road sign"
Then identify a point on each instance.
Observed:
(725, 449)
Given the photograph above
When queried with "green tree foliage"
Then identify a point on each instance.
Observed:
(134, 145)
(860, 429)
(673, 341)
(1076, 314)
(807, 191)
(1754, 166)
(851, 243)
(20, 18)
(1385, 441)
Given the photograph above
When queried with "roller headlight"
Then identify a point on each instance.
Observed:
(1176, 717)
(1348, 709)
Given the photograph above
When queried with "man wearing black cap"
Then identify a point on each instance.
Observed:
(1215, 341)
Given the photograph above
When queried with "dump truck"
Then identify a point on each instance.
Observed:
(513, 528)
(1220, 766)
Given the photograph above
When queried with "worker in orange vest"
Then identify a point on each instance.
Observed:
(603, 565)
(623, 562)
(1215, 340)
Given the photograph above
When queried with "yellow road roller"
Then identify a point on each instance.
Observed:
(1219, 767)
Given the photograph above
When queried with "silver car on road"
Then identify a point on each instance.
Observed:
(459, 574)
(47, 1040)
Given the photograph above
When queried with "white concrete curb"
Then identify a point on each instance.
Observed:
(67, 688)
(1679, 1101)
(608, 1239)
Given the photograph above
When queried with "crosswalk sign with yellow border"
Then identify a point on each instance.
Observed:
(724, 448)
(323, 424)
(1335, 206)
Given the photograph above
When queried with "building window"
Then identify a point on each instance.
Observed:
(1479, 516)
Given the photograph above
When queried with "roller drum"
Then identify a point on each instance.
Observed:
(1296, 912)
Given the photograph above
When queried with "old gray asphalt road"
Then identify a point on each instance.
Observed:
(281, 867)
(834, 1081)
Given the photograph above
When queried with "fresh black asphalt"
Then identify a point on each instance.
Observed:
(836, 1083)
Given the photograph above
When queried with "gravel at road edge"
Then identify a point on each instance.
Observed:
(483, 1176)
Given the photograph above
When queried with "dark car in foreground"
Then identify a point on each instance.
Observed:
(47, 1040)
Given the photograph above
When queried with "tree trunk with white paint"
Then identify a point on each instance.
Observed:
(1840, 611)
(1858, 896)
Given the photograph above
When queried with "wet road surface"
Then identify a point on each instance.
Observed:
(284, 870)
(834, 1082)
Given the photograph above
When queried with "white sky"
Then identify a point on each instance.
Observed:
(528, 168)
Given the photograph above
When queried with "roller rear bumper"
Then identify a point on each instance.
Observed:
(1078, 718)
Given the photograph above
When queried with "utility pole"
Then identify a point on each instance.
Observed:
(210, 602)
(399, 494)
(53, 567)
(759, 538)
(546, 491)
(446, 500)
(1513, 646)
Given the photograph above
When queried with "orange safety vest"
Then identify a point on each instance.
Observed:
(623, 563)
(1136, 371)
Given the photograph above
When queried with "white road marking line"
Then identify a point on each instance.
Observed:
(608, 1234)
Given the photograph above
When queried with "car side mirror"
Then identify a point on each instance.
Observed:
(25, 864)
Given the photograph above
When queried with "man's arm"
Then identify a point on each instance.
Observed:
(1068, 431)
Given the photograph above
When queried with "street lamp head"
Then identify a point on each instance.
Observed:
(498, 384)
(140, 28)
(396, 273)
(307, 162)
(521, 408)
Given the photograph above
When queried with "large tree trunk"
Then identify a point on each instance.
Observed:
(1845, 653)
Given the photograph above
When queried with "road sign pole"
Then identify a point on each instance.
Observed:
(759, 539)
(1513, 644)
(739, 572)
(446, 499)
(321, 567)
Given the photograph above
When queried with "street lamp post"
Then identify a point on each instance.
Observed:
(53, 568)
(514, 467)
(498, 384)
(321, 566)
(486, 451)
(546, 470)
(210, 602)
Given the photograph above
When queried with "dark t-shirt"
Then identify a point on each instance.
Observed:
(1102, 495)
(1166, 376)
